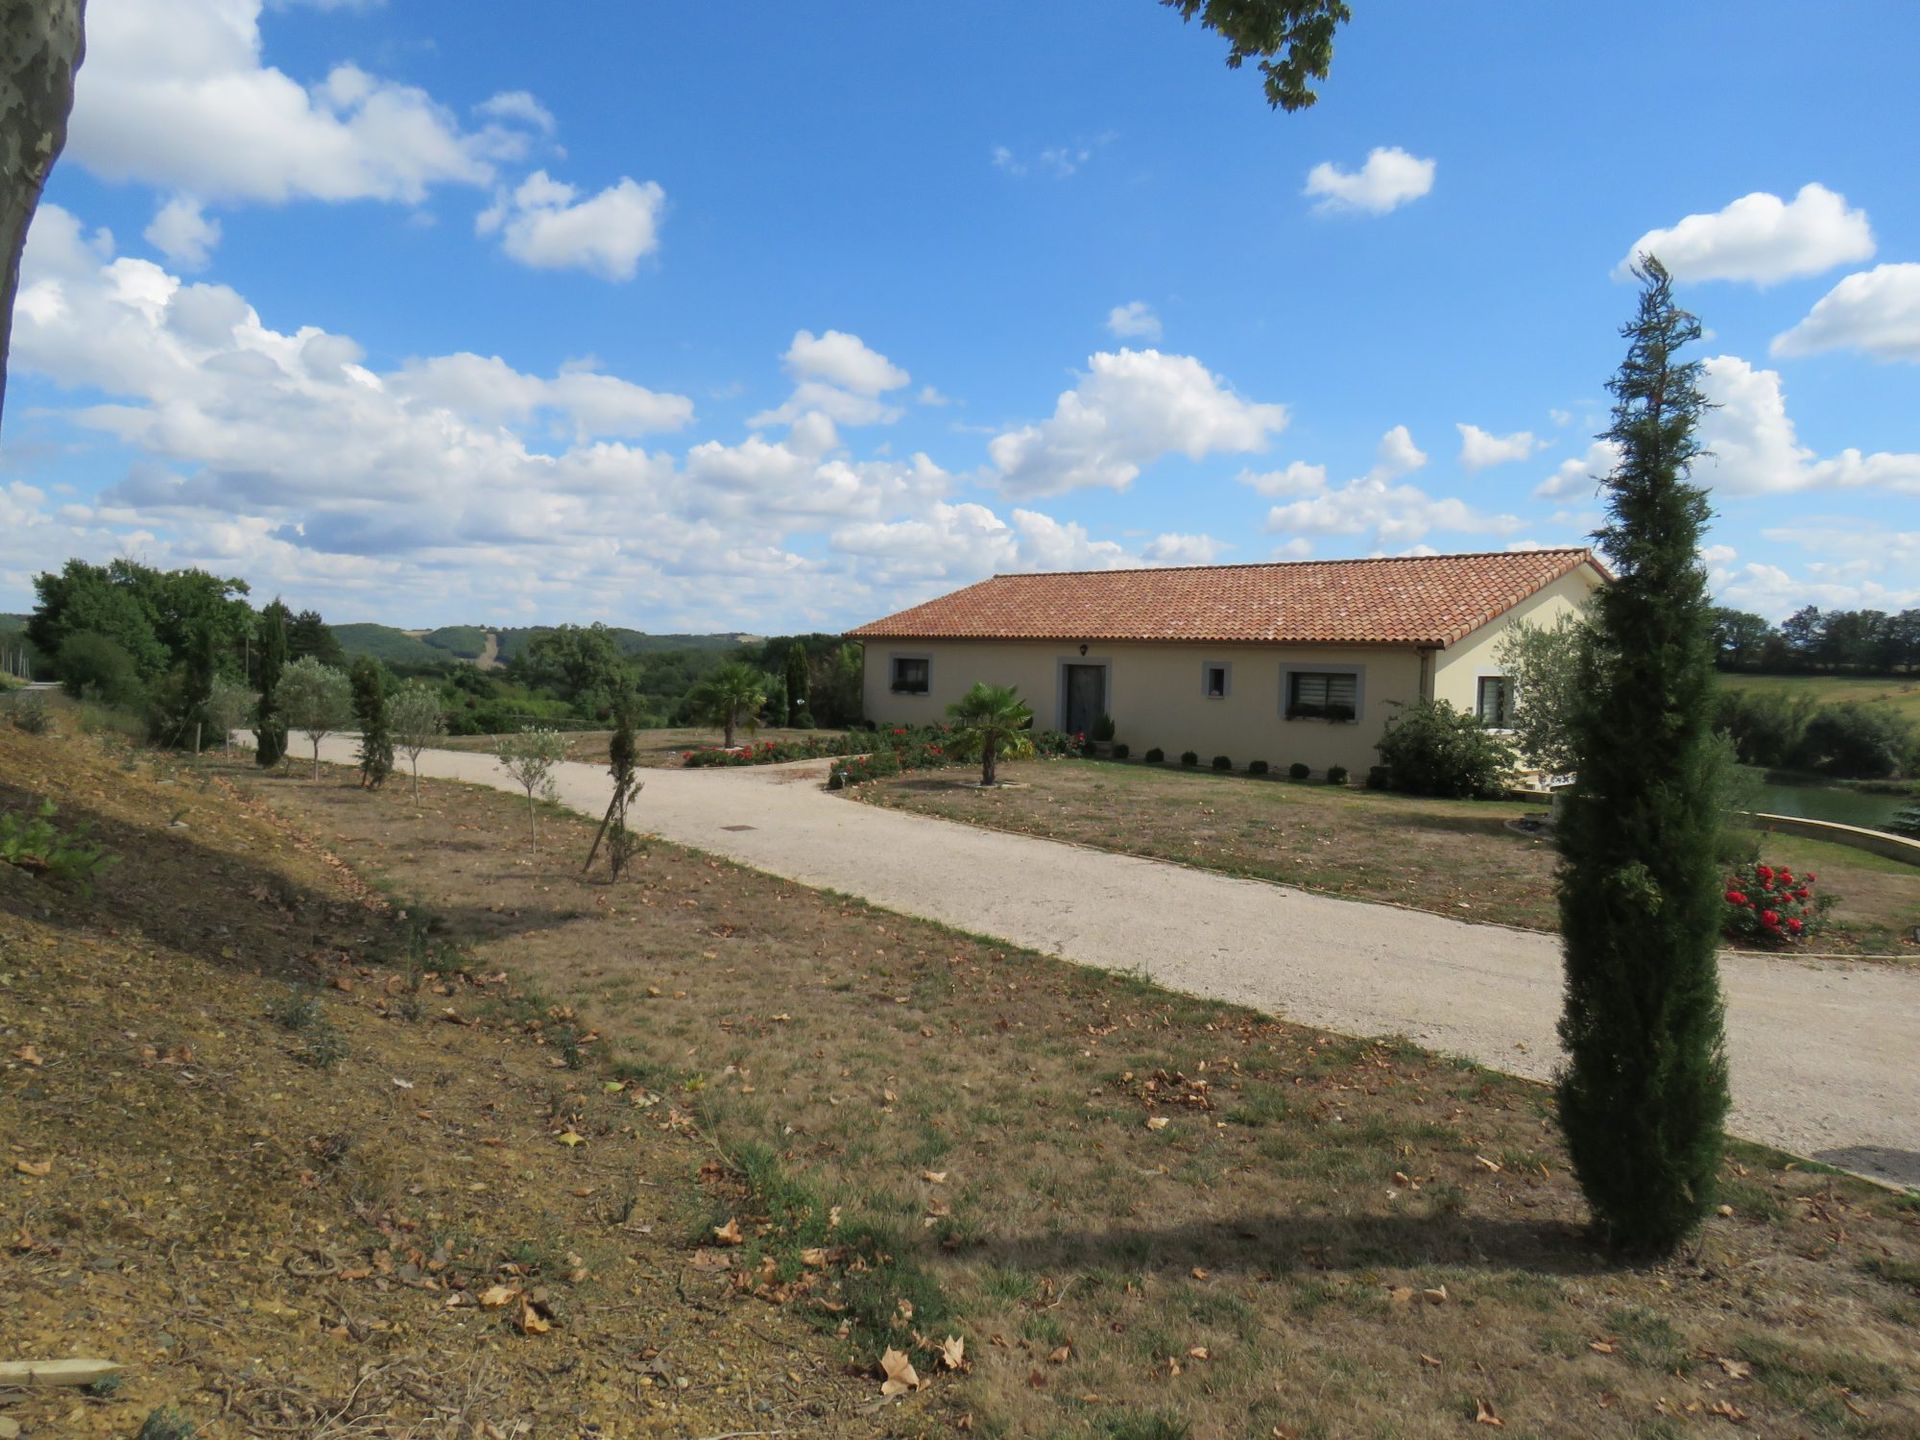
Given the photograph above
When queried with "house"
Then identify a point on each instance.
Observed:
(1300, 662)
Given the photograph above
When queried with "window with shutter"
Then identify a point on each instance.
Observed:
(1323, 695)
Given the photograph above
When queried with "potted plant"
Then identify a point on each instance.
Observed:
(1100, 737)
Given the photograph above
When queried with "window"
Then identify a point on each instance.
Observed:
(1494, 702)
(1214, 679)
(911, 674)
(1322, 694)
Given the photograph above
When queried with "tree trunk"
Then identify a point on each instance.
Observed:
(316, 760)
(43, 42)
(533, 823)
(729, 728)
(416, 778)
(990, 755)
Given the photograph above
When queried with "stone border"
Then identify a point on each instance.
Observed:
(1879, 842)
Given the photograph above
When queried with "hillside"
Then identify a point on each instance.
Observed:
(449, 643)
(388, 645)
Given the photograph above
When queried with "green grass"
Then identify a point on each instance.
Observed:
(1900, 693)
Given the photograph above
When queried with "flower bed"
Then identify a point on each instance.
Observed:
(1773, 907)
(779, 752)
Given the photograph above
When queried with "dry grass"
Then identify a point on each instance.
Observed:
(1258, 1265)
(1453, 857)
(1900, 694)
(657, 747)
(278, 1175)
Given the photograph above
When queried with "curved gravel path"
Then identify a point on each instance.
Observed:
(1825, 1055)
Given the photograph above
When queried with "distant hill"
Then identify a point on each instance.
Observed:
(477, 644)
(632, 642)
(388, 645)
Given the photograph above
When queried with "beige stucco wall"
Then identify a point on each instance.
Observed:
(1458, 668)
(1156, 694)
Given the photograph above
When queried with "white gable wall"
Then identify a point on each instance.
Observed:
(1458, 668)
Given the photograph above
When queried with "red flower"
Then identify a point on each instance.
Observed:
(1795, 926)
(1765, 872)
(1770, 918)
(1802, 893)
(1786, 877)
(1734, 897)
(1809, 877)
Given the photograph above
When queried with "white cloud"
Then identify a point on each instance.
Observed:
(1761, 238)
(1134, 320)
(1396, 455)
(1389, 179)
(1058, 161)
(1755, 449)
(486, 388)
(181, 231)
(1131, 408)
(1877, 311)
(521, 106)
(1582, 474)
(1177, 549)
(1372, 505)
(544, 224)
(174, 93)
(1298, 478)
(840, 376)
(1479, 449)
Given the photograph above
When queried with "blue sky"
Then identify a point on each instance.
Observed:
(773, 318)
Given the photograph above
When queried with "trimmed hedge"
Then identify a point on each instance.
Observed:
(1120, 750)
(1189, 759)
(1154, 756)
(1257, 767)
(1298, 771)
(1221, 762)
(1336, 775)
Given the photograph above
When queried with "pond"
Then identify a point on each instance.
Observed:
(1831, 802)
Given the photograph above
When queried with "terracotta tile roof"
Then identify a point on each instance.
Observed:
(1425, 600)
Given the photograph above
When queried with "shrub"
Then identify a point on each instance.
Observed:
(1773, 907)
(1120, 751)
(1336, 775)
(34, 844)
(28, 711)
(1906, 822)
(1298, 771)
(1432, 748)
(1189, 759)
(92, 667)
(1860, 742)
(1221, 762)
(1377, 776)
(1257, 767)
(1102, 729)
(1767, 727)
(1053, 744)
(1154, 756)
(529, 757)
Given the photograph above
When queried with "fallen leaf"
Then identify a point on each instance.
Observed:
(900, 1376)
(1727, 1410)
(572, 1138)
(496, 1296)
(1400, 1294)
(1483, 1412)
(729, 1233)
(27, 1055)
(814, 1258)
(904, 1309)
(1736, 1369)
(1601, 1347)
(1493, 1165)
(1157, 1122)
(1432, 1360)
(1062, 1355)
(402, 1084)
(1436, 1296)
(934, 1177)
(34, 1167)
(1198, 1273)
(1198, 1352)
(953, 1352)
(532, 1322)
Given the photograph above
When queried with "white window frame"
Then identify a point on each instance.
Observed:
(1207, 667)
(1358, 672)
(893, 674)
(1479, 681)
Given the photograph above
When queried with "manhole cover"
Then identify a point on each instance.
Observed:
(739, 827)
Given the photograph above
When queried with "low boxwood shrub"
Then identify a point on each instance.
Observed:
(1221, 762)
(1154, 756)
(1336, 775)
(1189, 759)
(1298, 771)
(1257, 767)
(1376, 777)
(1102, 729)
(1120, 750)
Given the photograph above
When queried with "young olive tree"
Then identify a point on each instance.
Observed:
(316, 700)
(529, 756)
(1543, 664)
(227, 706)
(416, 719)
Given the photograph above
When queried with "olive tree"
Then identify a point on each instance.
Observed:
(316, 699)
(529, 756)
(1543, 664)
(416, 718)
(227, 706)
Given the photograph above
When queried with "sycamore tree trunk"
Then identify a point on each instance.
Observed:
(42, 42)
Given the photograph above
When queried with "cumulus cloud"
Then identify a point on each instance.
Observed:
(1389, 179)
(1134, 320)
(1583, 474)
(545, 224)
(1761, 238)
(181, 231)
(174, 93)
(1177, 549)
(1297, 478)
(1130, 409)
(1479, 449)
(486, 388)
(1755, 448)
(840, 376)
(1372, 505)
(1057, 161)
(1876, 311)
(521, 106)
(1396, 455)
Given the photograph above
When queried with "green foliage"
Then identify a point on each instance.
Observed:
(1299, 770)
(1121, 751)
(1543, 664)
(623, 766)
(990, 721)
(27, 711)
(1643, 1096)
(316, 700)
(730, 697)
(1336, 775)
(468, 642)
(581, 663)
(96, 667)
(415, 718)
(1189, 758)
(1258, 767)
(1292, 39)
(369, 684)
(529, 756)
(269, 718)
(1906, 822)
(32, 842)
(1773, 907)
(227, 706)
(1221, 762)
(311, 638)
(1103, 728)
(167, 1423)
(1861, 742)
(1433, 748)
(1154, 756)
(1767, 727)
(391, 646)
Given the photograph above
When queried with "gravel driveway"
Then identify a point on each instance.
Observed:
(1825, 1055)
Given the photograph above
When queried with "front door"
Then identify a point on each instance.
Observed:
(1086, 698)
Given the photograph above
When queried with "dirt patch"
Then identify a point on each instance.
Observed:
(301, 1178)
(1451, 857)
(1147, 1215)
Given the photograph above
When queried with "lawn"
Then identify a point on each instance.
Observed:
(1902, 693)
(657, 747)
(1144, 1215)
(1453, 857)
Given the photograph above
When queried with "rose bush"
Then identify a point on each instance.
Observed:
(1772, 906)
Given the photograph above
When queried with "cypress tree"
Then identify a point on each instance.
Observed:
(370, 709)
(270, 726)
(1643, 1095)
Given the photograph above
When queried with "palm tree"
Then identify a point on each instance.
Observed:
(992, 719)
(730, 696)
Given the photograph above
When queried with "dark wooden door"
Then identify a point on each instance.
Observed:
(1086, 697)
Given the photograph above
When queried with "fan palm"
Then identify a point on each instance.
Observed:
(730, 697)
(993, 720)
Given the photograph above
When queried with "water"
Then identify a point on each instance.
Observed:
(1821, 802)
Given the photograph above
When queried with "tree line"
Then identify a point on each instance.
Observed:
(1816, 641)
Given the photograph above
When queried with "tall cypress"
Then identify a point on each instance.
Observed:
(1643, 1096)
(370, 709)
(270, 726)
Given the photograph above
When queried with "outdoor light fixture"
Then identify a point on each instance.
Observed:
(1083, 649)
